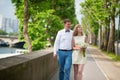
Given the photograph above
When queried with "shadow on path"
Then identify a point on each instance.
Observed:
(91, 70)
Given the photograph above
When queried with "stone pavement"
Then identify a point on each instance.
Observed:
(110, 68)
(98, 67)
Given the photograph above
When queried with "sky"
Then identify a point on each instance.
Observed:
(7, 9)
(77, 10)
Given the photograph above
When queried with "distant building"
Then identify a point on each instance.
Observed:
(1, 20)
(8, 24)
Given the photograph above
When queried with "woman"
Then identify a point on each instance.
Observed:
(78, 59)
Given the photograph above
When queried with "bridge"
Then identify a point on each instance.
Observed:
(9, 39)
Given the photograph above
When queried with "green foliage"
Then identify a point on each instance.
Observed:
(2, 32)
(112, 55)
(44, 19)
(100, 14)
(97, 12)
(44, 26)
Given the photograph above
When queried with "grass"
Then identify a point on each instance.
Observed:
(110, 54)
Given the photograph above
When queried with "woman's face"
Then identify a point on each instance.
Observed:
(79, 29)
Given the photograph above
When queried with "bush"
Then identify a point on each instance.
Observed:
(2, 32)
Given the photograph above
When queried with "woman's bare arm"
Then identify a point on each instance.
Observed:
(73, 44)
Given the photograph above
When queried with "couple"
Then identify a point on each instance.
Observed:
(68, 51)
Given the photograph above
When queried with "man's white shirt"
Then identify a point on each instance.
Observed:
(63, 40)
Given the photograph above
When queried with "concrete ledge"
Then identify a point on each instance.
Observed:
(37, 65)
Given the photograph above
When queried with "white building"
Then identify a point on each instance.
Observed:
(8, 24)
(8, 20)
(1, 19)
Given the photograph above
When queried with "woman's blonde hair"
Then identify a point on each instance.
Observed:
(75, 31)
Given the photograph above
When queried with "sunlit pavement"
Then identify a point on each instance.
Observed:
(92, 70)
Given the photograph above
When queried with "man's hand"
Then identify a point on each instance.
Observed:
(55, 56)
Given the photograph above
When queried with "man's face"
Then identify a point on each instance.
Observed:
(67, 25)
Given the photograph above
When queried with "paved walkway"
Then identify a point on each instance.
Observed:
(98, 67)
(109, 68)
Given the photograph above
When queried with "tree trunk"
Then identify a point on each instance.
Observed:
(110, 47)
(105, 29)
(118, 39)
(94, 40)
(105, 41)
(119, 27)
(25, 29)
(101, 38)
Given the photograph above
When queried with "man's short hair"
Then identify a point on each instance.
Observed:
(66, 20)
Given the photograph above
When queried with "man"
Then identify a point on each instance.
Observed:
(63, 50)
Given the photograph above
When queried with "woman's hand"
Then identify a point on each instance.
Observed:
(76, 47)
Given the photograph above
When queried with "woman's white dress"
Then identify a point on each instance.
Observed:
(77, 57)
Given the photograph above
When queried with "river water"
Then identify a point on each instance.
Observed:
(7, 52)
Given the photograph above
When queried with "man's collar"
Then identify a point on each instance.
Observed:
(66, 30)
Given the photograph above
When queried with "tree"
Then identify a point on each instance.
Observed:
(93, 11)
(44, 19)
(25, 29)
(111, 41)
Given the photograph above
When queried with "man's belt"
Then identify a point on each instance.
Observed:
(65, 50)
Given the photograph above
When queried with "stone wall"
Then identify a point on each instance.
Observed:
(38, 65)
